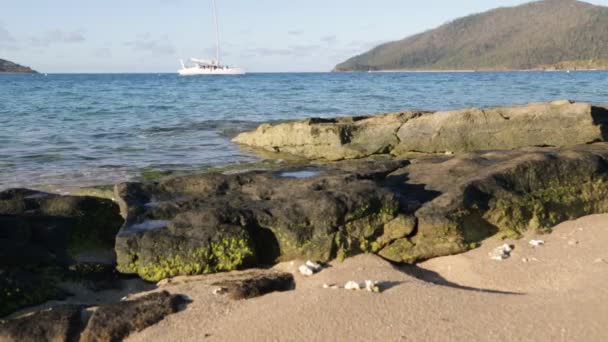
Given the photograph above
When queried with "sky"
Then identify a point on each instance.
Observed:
(261, 36)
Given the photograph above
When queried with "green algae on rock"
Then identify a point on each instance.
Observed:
(272, 216)
(42, 235)
(500, 192)
(405, 211)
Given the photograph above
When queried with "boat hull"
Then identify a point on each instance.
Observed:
(210, 72)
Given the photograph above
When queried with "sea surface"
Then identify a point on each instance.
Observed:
(64, 130)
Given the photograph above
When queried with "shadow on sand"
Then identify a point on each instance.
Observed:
(436, 279)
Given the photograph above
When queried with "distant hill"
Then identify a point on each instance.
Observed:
(549, 34)
(8, 66)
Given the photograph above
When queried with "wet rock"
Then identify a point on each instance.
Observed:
(20, 288)
(403, 211)
(560, 123)
(42, 228)
(458, 201)
(60, 323)
(220, 222)
(255, 283)
(114, 322)
(43, 235)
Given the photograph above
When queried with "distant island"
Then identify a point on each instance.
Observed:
(10, 67)
(541, 35)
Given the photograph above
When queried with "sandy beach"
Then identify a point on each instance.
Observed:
(549, 293)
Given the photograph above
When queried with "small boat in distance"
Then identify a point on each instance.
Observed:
(203, 67)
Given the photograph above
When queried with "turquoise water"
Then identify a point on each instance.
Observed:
(65, 130)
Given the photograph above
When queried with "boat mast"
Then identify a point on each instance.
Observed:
(217, 34)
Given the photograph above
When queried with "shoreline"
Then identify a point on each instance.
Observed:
(469, 71)
(226, 247)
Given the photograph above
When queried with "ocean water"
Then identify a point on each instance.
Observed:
(80, 130)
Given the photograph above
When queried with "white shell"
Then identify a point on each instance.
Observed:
(501, 252)
(309, 268)
(536, 243)
(352, 285)
(219, 291)
(313, 266)
(305, 270)
(372, 286)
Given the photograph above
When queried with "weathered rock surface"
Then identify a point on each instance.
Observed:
(37, 227)
(560, 123)
(43, 235)
(108, 322)
(403, 211)
(114, 322)
(58, 324)
(477, 195)
(255, 283)
(214, 222)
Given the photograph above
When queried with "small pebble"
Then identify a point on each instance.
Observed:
(572, 242)
(529, 259)
(600, 261)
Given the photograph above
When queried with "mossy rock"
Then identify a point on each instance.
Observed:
(27, 287)
(403, 211)
(227, 255)
(43, 235)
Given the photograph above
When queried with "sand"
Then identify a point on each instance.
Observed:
(556, 292)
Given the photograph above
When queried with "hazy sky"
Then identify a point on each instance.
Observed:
(262, 35)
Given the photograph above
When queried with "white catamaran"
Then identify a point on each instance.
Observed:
(203, 67)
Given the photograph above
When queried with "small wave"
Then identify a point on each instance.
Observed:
(110, 135)
(160, 107)
(51, 157)
(378, 97)
(316, 110)
(224, 127)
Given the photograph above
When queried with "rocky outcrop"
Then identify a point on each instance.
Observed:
(114, 322)
(10, 67)
(255, 283)
(461, 200)
(60, 323)
(43, 237)
(214, 222)
(403, 211)
(108, 322)
(560, 123)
